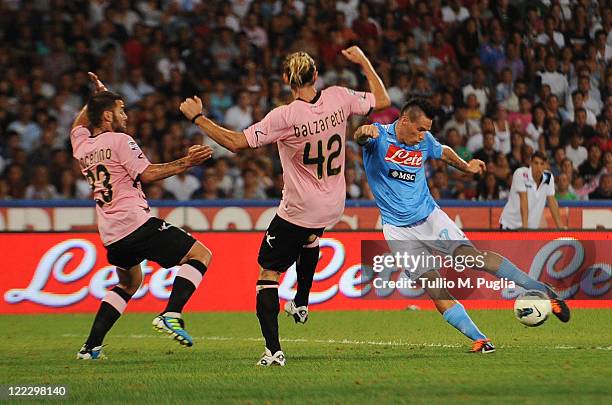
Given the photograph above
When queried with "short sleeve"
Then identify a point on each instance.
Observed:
(434, 146)
(518, 181)
(358, 102)
(78, 134)
(272, 128)
(551, 185)
(130, 156)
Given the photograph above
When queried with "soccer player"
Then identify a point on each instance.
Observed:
(115, 166)
(310, 134)
(394, 157)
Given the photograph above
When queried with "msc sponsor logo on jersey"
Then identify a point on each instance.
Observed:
(410, 158)
(401, 175)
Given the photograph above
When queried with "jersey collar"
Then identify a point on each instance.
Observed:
(314, 100)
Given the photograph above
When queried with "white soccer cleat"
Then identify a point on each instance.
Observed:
(267, 359)
(95, 353)
(300, 314)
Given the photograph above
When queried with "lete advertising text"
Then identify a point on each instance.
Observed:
(68, 272)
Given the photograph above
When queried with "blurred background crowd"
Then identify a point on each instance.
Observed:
(507, 78)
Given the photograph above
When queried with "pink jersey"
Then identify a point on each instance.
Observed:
(311, 144)
(111, 163)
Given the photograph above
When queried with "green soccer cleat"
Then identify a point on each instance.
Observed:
(174, 327)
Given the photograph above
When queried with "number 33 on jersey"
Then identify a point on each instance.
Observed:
(111, 162)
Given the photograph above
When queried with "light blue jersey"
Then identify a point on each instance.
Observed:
(396, 174)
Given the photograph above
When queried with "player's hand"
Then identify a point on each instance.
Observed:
(364, 132)
(191, 107)
(97, 82)
(198, 154)
(355, 55)
(476, 166)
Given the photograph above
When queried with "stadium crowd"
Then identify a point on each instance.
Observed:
(507, 78)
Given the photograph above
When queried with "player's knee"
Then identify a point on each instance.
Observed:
(466, 250)
(200, 253)
(312, 242)
(131, 285)
(270, 275)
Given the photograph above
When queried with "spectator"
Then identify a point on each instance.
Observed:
(558, 158)
(575, 151)
(552, 77)
(488, 188)
(579, 125)
(461, 123)
(563, 189)
(478, 88)
(487, 153)
(181, 186)
(135, 88)
(468, 41)
(40, 189)
(210, 188)
(592, 165)
(240, 116)
(577, 102)
(604, 191)
(28, 130)
(252, 189)
(339, 74)
(492, 51)
(454, 13)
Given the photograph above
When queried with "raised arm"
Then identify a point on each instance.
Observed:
(231, 140)
(196, 155)
(81, 118)
(356, 55)
(474, 166)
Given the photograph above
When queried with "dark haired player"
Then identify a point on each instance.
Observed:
(115, 166)
(394, 157)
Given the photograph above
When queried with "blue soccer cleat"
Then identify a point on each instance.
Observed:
(174, 327)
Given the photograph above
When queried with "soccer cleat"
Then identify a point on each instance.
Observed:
(482, 346)
(94, 353)
(174, 327)
(560, 309)
(300, 314)
(267, 359)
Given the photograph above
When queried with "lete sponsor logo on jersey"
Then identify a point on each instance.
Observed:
(410, 158)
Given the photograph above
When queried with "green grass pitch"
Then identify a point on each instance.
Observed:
(337, 357)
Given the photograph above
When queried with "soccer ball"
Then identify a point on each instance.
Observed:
(532, 308)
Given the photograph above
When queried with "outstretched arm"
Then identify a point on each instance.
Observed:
(231, 140)
(81, 118)
(356, 55)
(474, 166)
(364, 133)
(196, 155)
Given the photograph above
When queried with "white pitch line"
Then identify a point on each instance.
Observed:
(335, 342)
